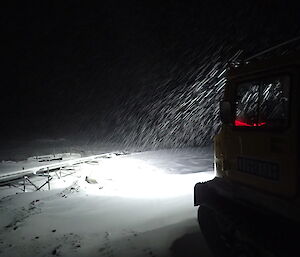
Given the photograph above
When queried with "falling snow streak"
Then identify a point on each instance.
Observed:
(150, 77)
(185, 116)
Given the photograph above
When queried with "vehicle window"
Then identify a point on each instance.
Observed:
(263, 103)
(247, 104)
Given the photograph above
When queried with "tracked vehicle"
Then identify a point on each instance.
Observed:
(252, 206)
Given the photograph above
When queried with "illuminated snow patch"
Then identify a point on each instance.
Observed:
(135, 178)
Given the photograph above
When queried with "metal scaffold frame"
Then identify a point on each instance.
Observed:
(21, 183)
(20, 179)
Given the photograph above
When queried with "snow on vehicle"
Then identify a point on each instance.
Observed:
(252, 206)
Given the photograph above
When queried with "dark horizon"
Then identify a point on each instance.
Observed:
(80, 71)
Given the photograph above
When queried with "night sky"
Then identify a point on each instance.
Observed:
(74, 69)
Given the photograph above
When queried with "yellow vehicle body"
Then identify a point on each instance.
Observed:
(257, 158)
(278, 146)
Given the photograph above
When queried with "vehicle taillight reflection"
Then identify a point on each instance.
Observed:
(239, 123)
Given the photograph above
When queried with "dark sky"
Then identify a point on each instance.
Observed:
(63, 54)
(65, 59)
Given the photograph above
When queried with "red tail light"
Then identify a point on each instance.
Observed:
(239, 123)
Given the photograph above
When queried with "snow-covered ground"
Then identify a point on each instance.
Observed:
(138, 204)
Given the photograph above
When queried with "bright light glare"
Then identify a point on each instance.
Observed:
(135, 178)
